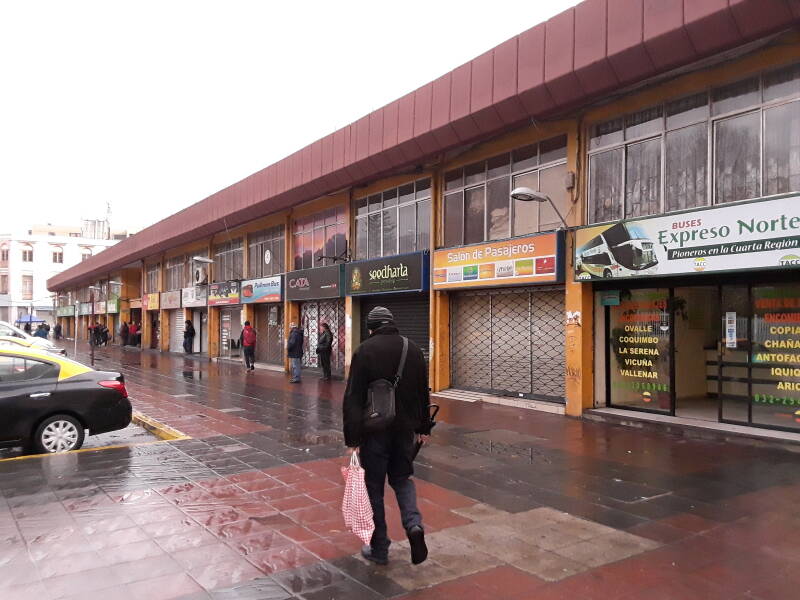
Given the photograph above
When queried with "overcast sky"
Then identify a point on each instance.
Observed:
(153, 106)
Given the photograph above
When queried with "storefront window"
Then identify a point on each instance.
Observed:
(395, 221)
(176, 273)
(639, 350)
(478, 205)
(151, 278)
(743, 123)
(265, 252)
(320, 239)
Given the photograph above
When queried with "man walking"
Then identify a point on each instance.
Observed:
(294, 348)
(324, 347)
(248, 342)
(389, 452)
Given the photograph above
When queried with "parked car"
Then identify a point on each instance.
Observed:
(18, 342)
(48, 402)
(7, 329)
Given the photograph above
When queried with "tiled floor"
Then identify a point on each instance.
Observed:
(517, 505)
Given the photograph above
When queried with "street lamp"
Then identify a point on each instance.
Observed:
(92, 289)
(202, 259)
(526, 194)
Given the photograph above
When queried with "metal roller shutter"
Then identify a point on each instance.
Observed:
(411, 314)
(176, 322)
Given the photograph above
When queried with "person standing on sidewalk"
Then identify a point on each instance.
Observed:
(247, 340)
(188, 336)
(389, 452)
(294, 349)
(324, 347)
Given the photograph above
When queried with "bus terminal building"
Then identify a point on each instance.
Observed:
(602, 212)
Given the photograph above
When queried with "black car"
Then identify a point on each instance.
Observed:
(47, 402)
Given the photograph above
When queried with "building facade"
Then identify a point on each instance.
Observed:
(574, 217)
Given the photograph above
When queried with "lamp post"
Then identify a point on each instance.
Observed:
(526, 194)
(92, 289)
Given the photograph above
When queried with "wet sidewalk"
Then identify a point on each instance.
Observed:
(517, 505)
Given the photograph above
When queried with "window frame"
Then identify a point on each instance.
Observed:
(311, 226)
(26, 295)
(257, 243)
(710, 120)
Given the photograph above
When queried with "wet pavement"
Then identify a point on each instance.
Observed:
(132, 434)
(517, 505)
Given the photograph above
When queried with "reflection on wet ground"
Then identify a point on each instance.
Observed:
(132, 434)
(517, 504)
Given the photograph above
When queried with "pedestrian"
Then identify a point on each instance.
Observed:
(46, 326)
(40, 331)
(247, 340)
(133, 331)
(27, 327)
(104, 335)
(57, 331)
(294, 348)
(124, 332)
(188, 336)
(389, 451)
(324, 346)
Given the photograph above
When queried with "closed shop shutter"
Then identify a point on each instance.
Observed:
(176, 322)
(509, 342)
(411, 315)
(313, 314)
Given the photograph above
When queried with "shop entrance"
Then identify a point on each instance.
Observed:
(200, 322)
(411, 315)
(312, 315)
(230, 328)
(727, 353)
(269, 327)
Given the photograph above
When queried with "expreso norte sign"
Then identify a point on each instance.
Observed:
(763, 234)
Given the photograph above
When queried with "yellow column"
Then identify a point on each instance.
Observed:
(440, 352)
(164, 333)
(213, 331)
(147, 328)
(249, 313)
(352, 330)
(579, 341)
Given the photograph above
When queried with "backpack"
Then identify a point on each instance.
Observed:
(249, 337)
(381, 409)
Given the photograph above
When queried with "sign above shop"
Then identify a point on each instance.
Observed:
(267, 289)
(112, 305)
(609, 298)
(135, 303)
(761, 234)
(100, 307)
(526, 260)
(85, 308)
(222, 294)
(171, 299)
(404, 273)
(194, 296)
(65, 311)
(150, 301)
(314, 284)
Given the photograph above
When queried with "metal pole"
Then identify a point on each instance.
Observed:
(75, 330)
(91, 325)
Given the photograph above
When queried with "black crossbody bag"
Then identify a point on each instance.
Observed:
(381, 409)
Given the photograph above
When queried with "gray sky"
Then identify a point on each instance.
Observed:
(155, 105)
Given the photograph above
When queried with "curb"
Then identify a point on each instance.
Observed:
(159, 430)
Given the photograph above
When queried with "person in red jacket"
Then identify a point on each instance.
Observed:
(248, 342)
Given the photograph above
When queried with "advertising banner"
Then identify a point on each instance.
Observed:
(315, 284)
(194, 296)
(222, 294)
(85, 308)
(171, 299)
(527, 260)
(100, 307)
(65, 311)
(135, 303)
(404, 273)
(112, 305)
(764, 234)
(150, 301)
(267, 289)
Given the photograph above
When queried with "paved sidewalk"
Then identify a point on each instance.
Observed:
(518, 505)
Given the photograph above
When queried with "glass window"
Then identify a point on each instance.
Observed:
(644, 122)
(551, 182)
(686, 160)
(361, 206)
(389, 232)
(27, 287)
(498, 166)
(407, 228)
(498, 205)
(14, 369)
(361, 239)
(316, 235)
(605, 186)
(308, 249)
(475, 173)
(737, 153)
(643, 178)
(782, 83)
(526, 157)
(606, 133)
(454, 179)
(782, 149)
(737, 96)
(526, 214)
(374, 236)
(687, 110)
(424, 225)
(553, 149)
(474, 215)
(454, 219)
(406, 193)
(423, 188)
(390, 198)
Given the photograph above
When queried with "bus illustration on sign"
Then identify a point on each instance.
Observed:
(619, 251)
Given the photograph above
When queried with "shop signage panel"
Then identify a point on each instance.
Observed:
(150, 301)
(135, 303)
(266, 289)
(315, 284)
(100, 307)
(404, 273)
(222, 294)
(533, 259)
(112, 305)
(194, 296)
(65, 311)
(762, 234)
(85, 308)
(171, 299)
(609, 298)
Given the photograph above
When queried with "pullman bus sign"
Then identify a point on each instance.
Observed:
(404, 273)
(760, 234)
(315, 284)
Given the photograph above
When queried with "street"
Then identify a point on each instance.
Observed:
(517, 504)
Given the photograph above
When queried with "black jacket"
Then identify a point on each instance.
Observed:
(188, 332)
(378, 358)
(325, 342)
(294, 346)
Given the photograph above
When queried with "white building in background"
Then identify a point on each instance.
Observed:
(29, 257)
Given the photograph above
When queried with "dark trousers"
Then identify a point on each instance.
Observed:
(249, 355)
(325, 363)
(187, 344)
(389, 454)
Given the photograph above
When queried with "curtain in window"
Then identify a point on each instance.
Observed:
(737, 164)
(782, 149)
(643, 179)
(686, 159)
(605, 186)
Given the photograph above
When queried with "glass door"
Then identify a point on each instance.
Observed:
(734, 350)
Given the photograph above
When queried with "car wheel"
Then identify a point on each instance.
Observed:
(607, 274)
(59, 433)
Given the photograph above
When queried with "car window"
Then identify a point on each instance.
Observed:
(6, 330)
(13, 368)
